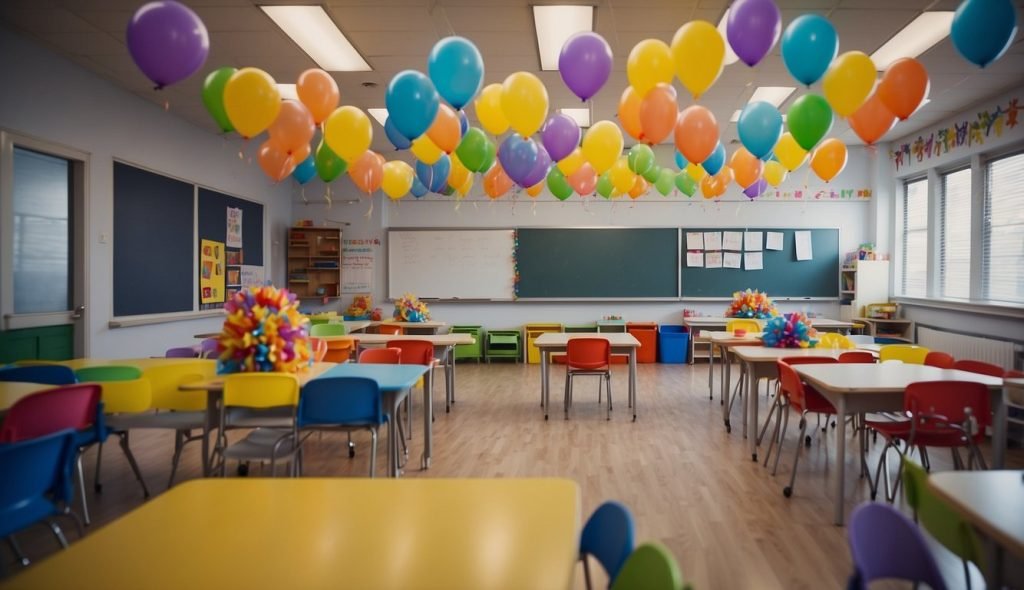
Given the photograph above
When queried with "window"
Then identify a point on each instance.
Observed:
(1003, 260)
(955, 239)
(915, 238)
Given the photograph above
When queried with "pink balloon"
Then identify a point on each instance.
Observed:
(584, 180)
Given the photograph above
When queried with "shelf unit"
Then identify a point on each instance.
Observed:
(314, 262)
(863, 283)
(896, 329)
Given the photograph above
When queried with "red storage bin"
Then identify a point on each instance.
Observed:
(647, 334)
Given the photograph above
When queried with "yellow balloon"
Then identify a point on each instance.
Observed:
(696, 171)
(466, 186)
(774, 173)
(848, 82)
(699, 53)
(789, 152)
(397, 180)
(425, 150)
(536, 189)
(459, 173)
(650, 63)
(488, 110)
(524, 100)
(348, 133)
(602, 145)
(571, 163)
(621, 176)
(252, 101)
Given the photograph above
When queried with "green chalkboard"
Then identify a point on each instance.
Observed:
(605, 263)
(783, 275)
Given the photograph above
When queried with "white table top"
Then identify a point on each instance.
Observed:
(426, 324)
(699, 321)
(556, 339)
(993, 501)
(353, 326)
(883, 377)
(717, 337)
(768, 353)
(435, 339)
(1014, 383)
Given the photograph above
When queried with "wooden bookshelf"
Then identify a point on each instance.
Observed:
(314, 262)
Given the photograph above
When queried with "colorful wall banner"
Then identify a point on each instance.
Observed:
(211, 272)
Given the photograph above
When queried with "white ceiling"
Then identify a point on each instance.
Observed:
(397, 34)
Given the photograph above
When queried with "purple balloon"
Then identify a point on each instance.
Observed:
(753, 28)
(757, 189)
(167, 41)
(517, 157)
(560, 135)
(540, 169)
(585, 63)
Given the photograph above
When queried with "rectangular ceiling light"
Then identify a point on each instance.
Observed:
(773, 95)
(288, 91)
(554, 25)
(581, 116)
(380, 114)
(919, 36)
(316, 34)
(730, 55)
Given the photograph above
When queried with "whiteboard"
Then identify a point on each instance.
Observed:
(452, 264)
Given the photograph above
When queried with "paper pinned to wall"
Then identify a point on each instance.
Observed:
(731, 260)
(252, 276)
(732, 240)
(694, 240)
(753, 240)
(713, 260)
(753, 260)
(773, 240)
(712, 240)
(803, 245)
(234, 228)
(694, 259)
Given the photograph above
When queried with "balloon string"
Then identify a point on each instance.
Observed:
(533, 209)
(369, 213)
(167, 106)
(327, 196)
(302, 192)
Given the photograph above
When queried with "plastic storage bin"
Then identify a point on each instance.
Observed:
(611, 326)
(502, 344)
(469, 351)
(647, 334)
(533, 331)
(673, 344)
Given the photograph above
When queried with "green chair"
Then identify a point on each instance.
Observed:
(108, 373)
(503, 344)
(469, 351)
(650, 567)
(941, 521)
(321, 330)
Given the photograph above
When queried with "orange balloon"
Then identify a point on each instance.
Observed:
(658, 113)
(319, 92)
(367, 172)
(746, 167)
(299, 156)
(536, 189)
(274, 160)
(829, 159)
(629, 113)
(714, 186)
(872, 120)
(496, 182)
(293, 126)
(640, 186)
(903, 87)
(584, 179)
(445, 131)
(696, 133)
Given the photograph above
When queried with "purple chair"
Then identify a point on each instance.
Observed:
(885, 544)
(208, 348)
(181, 352)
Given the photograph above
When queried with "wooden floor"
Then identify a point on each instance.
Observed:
(688, 483)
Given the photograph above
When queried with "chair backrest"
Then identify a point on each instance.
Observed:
(30, 470)
(886, 544)
(381, 356)
(45, 374)
(941, 521)
(339, 350)
(390, 329)
(181, 352)
(650, 567)
(165, 380)
(588, 353)
(980, 367)
(319, 330)
(318, 321)
(209, 348)
(318, 346)
(108, 373)
(71, 406)
(857, 356)
(1014, 374)
(789, 380)
(942, 406)
(261, 390)
(742, 324)
(123, 388)
(938, 359)
(608, 536)
(908, 353)
(834, 340)
(340, 400)
(414, 352)
(861, 339)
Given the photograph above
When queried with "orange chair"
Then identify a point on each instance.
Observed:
(339, 350)
(588, 356)
(381, 356)
(390, 329)
(318, 346)
(857, 356)
(416, 352)
(939, 359)
(980, 368)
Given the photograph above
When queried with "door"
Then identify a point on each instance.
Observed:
(42, 250)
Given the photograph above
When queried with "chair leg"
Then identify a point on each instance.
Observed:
(81, 489)
(788, 490)
(408, 417)
(178, 447)
(18, 554)
(58, 533)
(96, 485)
(401, 437)
(373, 453)
(608, 384)
(599, 386)
(351, 446)
(586, 573)
(568, 392)
(776, 410)
(782, 438)
(131, 461)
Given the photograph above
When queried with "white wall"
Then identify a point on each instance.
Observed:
(48, 97)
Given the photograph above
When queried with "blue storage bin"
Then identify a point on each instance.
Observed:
(673, 344)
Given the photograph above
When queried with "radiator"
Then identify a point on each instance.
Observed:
(989, 350)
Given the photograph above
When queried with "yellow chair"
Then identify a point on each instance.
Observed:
(266, 402)
(907, 353)
(743, 324)
(834, 340)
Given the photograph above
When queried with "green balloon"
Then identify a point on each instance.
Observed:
(213, 97)
(448, 190)
(640, 159)
(685, 183)
(328, 165)
(605, 188)
(665, 181)
(472, 150)
(558, 185)
(652, 174)
(490, 153)
(809, 120)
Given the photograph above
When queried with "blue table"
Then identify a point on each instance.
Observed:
(395, 382)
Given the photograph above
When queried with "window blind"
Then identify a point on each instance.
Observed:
(1003, 259)
(915, 238)
(955, 239)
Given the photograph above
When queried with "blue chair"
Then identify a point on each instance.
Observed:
(34, 471)
(608, 536)
(45, 374)
(342, 403)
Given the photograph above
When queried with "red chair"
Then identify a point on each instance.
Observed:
(1013, 374)
(980, 368)
(415, 352)
(381, 356)
(588, 356)
(857, 356)
(939, 359)
(318, 346)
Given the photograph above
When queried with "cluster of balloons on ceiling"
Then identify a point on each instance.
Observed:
(425, 111)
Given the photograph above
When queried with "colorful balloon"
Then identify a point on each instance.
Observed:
(396, 138)
(983, 30)
(517, 156)
(459, 173)
(434, 176)
(602, 145)
(167, 41)
(746, 167)
(685, 183)
(558, 184)
(524, 100)
(715, 161)
(293, 127)
(319, 92)
(583, 180)
(398, 179)
(412, 101)
(904, 87)
(696, 171)
(622, 177)
(808, 120)
(275, 161)
(367, 172)
(425, 150)
(639, 188)
(571, 163)
(490, 156)
(213, 96)
(665, 182)
(604, 186)
(649, 64)
(488, 110)
(809, 45)
(305, 171)
(349, 133)
(496, 182)
(680, 160)
(535, 190)
(789, 152)
(640, 158)
(752, 29)
(472, 150)
(561, 135)
(829, 159)
(652, 173)
(251, 100)
(696, 132)
(456, 69)
(872, 120)
(774, 172)
(444, 132)
(756, 189)
(629, 113)
(418, 189)
(848, 82)
(759, 127)
(328, 165)
(699, 52)
(658, 113)
(585, 63)
(540, 168)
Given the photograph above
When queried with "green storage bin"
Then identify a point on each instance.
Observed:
(581, 329)
(469, 351)
(503, 344)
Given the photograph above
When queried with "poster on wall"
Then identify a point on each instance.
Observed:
(358, 260)
(211, 272)
(251, 276)
(234, 229)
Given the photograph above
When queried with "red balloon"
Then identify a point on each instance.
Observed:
(872, 120)
(584, 180)
(696, 133)
(274, 160)
(903, 87)
(658, 113)
(293, 126)
(367, 172)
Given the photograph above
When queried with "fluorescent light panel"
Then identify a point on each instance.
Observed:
(730, 55)
(554, 25)
(773, 95)
(581, 116)
(380, 114)
(316, 34)
(914, 39)
(288, 91)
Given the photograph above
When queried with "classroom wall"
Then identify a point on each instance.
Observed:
(50, 98)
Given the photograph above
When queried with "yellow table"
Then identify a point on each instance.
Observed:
(141, 363)
(12, 391)
(332, 533)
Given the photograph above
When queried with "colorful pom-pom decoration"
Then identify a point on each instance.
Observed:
(411, 309)
(790, 331)
(751, 304)
(264, 331)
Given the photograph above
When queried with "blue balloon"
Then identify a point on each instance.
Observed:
(412, 103)
(760, 127)
(463, 123)
(435, 177)
(418, 189)
(305, 171)
(398, 140)
(983, 30)
(715, 161)
(518, 157)
(681, 161)
(809, 45)
(457, 70)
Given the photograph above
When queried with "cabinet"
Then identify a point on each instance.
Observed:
(314, 262)
(861, 284)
